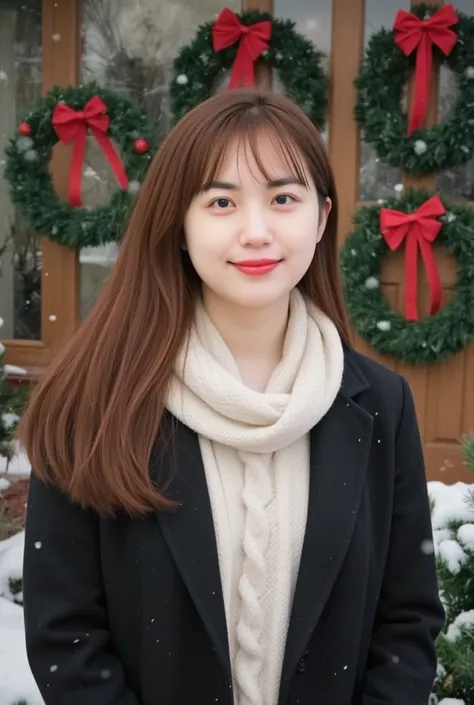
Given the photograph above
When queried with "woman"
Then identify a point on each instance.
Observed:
(228, 503)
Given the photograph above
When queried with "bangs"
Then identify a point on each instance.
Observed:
(243, 133)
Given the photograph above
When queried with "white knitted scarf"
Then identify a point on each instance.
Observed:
(256, 455)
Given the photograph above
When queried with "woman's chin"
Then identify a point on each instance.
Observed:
(257, 299)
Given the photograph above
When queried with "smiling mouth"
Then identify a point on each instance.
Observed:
(256, 268)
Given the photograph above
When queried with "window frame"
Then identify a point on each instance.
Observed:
(60, 268)
(60, 279)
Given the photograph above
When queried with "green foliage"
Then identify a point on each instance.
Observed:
(12, 404)
(389, 333)
(27, 169)
(380, 86)
(197, 68)
(457, 587)
(455, 646)
(456, 677)
(467, 450)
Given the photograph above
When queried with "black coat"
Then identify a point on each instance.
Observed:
(130, 611)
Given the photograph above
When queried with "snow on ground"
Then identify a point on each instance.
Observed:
(16, 680)
(18, 465)
(450, 503)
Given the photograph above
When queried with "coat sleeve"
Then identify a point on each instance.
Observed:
(67, 637)
(401, 666)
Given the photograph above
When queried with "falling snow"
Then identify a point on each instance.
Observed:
(427, 547)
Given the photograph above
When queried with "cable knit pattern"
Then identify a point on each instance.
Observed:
(255, 451)
(256, 495)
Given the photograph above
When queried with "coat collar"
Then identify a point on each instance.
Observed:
(337, 473)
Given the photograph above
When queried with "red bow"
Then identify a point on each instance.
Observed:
(420, 230)
(73, 125)
(228, 30)
(413, 33)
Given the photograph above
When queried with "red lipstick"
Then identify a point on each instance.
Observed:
(256, 267)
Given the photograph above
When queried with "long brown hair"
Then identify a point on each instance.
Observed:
(93, 421)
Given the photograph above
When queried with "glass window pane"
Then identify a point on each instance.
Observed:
(129, 46)
(20, 86)
(378, 180)
(459, 182)
(313, 19)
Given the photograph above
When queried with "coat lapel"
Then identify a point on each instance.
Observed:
(340, 446)
(189, 533)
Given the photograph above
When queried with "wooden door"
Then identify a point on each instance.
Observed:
(444, 392)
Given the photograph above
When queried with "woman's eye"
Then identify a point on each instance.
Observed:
(284, 199)
(221, 203)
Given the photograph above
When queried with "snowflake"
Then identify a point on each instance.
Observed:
(133, 186)
(420, 147)
(372, 283)
(31, 155)
(384, 325)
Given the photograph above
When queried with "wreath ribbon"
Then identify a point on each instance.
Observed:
(253, 40)
(419, 230)
(71, 124)
(413, 33)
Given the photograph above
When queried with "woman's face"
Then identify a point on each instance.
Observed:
(251, 240)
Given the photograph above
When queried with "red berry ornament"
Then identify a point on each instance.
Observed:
(141, 145)
(24, 129)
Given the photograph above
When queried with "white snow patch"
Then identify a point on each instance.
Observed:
(466, 536)
(9, 420)
(18, 465)
(14, 370)
(463, 620)
(16, 679)
(450, 503)
(442, 535)
(11, 559)
(4, 484)
(452, 554)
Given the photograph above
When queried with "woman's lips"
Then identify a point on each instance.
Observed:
(256, 268)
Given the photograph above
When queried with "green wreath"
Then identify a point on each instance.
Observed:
(380, 85)
(28, 154)
(197, 68)
(415, 342)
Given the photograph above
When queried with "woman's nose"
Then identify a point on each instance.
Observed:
(255, 231)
